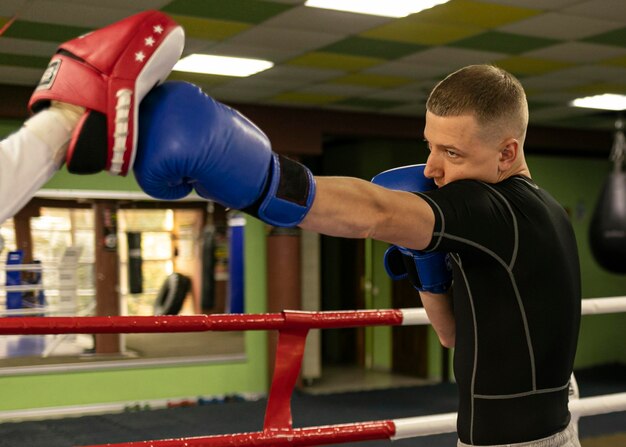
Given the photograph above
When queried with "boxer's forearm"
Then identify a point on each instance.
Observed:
(354, 208)
(439, 310)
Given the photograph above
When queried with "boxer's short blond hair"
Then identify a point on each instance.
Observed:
(494, 96)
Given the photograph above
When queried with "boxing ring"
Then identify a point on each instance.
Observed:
(293, 327)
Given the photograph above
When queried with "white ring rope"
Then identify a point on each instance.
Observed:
(446, 423)
(589, 306)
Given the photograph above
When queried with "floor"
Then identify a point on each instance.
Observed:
(237, 415)
(340, 379)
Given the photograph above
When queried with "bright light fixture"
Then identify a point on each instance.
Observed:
(391, 8)
(221, 65)
(607, 101)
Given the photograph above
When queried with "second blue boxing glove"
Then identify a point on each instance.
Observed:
(427, 271)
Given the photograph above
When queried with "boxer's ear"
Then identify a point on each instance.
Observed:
(508, 154)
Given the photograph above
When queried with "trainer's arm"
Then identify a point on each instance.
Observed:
(31, 156)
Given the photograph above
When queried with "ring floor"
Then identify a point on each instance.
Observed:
(308, 410)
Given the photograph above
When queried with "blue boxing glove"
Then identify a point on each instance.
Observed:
(189, 141)
(427, 272)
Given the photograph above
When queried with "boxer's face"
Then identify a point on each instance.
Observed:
(458, 150)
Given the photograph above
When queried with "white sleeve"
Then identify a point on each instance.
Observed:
(27, 162)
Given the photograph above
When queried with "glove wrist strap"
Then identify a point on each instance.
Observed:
(288, 194)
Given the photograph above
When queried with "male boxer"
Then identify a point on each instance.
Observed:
(87, 103)
(516, 291)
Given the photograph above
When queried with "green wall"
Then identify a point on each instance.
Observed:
(576, 184)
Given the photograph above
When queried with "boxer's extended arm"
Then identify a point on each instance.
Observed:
(350, 207)
(31, 156)
(355, 208)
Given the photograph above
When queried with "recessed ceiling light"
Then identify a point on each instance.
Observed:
(221, 65)
(394, 8)
(607, 101)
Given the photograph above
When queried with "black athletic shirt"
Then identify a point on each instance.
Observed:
(516, 298)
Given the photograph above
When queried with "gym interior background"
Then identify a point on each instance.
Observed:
(346, 97)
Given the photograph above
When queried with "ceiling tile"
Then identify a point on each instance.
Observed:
(552, 25)
(48, 32)
(199, 79)
(538, 4)
(23, 60)
(408, 68)
(194, 45)
(504, 42)
(528, 66)
(616, 37)
(31, 47)
(250, 87)
(343, 90)
(362, 46)
(475, 13)
(559, 49)
(133, 6)
(9, 8)
(550, 81)
(591, 73)
(618, 61)
(577, 52)
(304, 74)
(455, 57)
(284, 38)
(247, 11)
(421, 32)
(334, 61)
(82, 15)
(210, 29)
(601, 9)
(252, 52)
(20, 75)
(409, 92)
(600, 87)
(372, 80)
(325, 21)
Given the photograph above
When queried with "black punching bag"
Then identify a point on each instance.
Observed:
(135, 278)
(607, 232)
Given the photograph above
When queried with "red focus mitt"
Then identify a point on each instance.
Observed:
(108, 72)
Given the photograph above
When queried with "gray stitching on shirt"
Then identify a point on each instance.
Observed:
(517, 296)
(443, 220)
(522, 179)
(524, 394)
(515, 228)
(457, 259)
